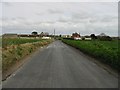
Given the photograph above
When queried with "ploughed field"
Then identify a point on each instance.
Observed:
(106, 51)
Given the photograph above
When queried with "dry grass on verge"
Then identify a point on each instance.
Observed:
(15, 53)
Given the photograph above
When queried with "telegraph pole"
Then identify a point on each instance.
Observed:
(54, 33)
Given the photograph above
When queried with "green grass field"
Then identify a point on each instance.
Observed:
(16, 41)
(105, 51)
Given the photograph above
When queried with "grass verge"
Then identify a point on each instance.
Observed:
(105, 51)
(14, 53)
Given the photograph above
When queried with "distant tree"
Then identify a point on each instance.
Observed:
(83, 38)
(102, 34)
(87, 36)
(93, 36)
(109, 38)
(60, 35)
(34, 33)
(105, 38)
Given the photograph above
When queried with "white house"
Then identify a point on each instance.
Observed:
(88, 38)
(46, 37)
(77, 38)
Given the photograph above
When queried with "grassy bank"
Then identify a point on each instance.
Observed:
(105, 51)
(14, 52)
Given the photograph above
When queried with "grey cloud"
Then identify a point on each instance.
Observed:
(22, 18)
(39, 14)
(109, 18)
(55, 11)
(80, 16)
(63, 20)
(7, 3)
(66, 19)
(76, 18)
(104, 19)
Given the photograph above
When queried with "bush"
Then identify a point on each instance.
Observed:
(105, 38)
(69, 38)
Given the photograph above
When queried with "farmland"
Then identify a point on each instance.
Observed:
(16, 41)
(105, 51)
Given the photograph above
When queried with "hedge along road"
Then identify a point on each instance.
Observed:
(61, 66)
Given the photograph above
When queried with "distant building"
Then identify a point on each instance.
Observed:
(66, 36)
(115, 38)
(88, 38)
(76, 36)
(46, 34)
(46, 37)
(23, 35)
(27, 35)
(9, 35)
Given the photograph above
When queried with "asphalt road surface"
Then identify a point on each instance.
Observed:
(60, 66)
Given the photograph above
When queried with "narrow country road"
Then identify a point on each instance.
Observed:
(60, 66)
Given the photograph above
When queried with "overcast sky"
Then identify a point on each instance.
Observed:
(66, 17)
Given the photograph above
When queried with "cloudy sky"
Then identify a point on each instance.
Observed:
(64, 17)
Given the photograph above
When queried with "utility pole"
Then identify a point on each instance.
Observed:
(54, 33)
